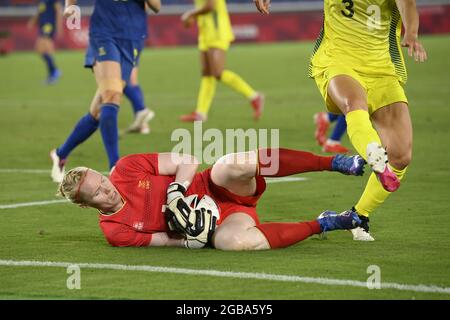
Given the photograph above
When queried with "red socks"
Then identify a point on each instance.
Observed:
(285, 162)
(282, 235)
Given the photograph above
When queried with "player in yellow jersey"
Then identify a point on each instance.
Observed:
(358, 66)
(214, 38)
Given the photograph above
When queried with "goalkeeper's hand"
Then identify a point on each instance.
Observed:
(178, 211)
(202, 230)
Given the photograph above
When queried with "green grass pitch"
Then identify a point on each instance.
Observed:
(411, 228)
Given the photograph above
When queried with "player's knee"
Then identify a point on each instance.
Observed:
(111, 96)
(234, 170)
(228, 241)
(354, 103)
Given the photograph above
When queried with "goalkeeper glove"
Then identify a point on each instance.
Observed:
(202, 230)
(178, 211)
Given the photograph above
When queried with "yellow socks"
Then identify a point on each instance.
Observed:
(360, 131)
(238, 84)
(374, 193)
(206, 94)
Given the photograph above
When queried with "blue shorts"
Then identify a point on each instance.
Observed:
(47, 30)
(125, 52)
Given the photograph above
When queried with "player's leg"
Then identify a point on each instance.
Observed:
(142, 115)
(333, 143)
(351, 98)
(45, 47)
(239, 231)
(217, 57)
(85, 127)
(206, 92)
(322, 121)
(393, 123)
(237, 171)
(109, 81)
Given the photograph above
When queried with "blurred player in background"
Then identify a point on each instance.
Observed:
(214, 38)
(116, 33)
(49, 21)
(142, 114)
(147, 195)
(359, 69)
(331, 144)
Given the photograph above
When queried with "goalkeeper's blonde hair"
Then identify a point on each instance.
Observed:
(68, 188)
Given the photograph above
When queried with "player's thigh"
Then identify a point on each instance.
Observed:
(393, 124)
(238, 232)
(216, 58)
(347, 93)
(109, 80)
(44, 45)
(236, 173)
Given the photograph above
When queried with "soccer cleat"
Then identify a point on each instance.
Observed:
(322, 123)
(361, 233)
(145, 129)
(58, 167)
(330, 220)
(140, 123)
(349, 165)
(334, 148)
(193, 116)
(54, 77)
(378, 160)
(258, 105)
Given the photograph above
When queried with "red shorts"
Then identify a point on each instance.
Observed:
(227, 201)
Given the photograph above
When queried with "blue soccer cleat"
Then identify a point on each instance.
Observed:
(349, 165)
(330, 220)
(54, 77)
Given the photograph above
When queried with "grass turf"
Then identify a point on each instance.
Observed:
(412, 240)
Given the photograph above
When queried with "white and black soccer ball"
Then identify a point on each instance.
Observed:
(206, 202)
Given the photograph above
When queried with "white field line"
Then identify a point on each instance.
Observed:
(32, 204)
(228, 274)
(47, 202)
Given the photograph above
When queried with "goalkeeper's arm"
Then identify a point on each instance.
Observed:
(183, 167)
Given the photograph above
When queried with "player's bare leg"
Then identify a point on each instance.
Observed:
(45, 47)
(393, 123)
(238, 232)
(236, 172)
(350, 97)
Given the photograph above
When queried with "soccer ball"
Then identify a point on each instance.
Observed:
(206, 202)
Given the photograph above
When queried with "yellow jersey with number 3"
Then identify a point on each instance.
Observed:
(363, 35)
(215, 26)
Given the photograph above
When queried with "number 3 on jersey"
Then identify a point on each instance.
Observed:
(348, 11)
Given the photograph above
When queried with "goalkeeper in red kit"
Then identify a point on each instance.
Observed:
(146, 201)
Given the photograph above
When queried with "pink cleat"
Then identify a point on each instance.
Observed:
(193, 116)
(377, 159)
(322, 123)
(258, 105)
(334, 148)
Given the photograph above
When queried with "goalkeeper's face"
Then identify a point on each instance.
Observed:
(98, 192)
